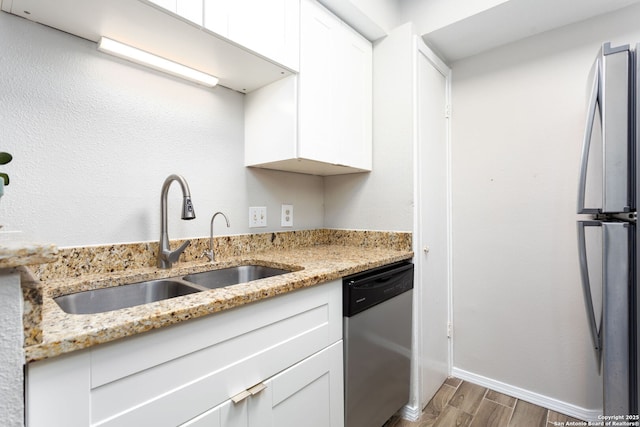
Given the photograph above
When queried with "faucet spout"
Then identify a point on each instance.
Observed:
(211, 255)
(166, 257)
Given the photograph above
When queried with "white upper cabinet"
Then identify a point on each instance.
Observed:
(171, 5)
(244, 43)
(189, 9)
(320, 121)
(269, 28)
(335, 91)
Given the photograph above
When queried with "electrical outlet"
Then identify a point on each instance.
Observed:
(287, 216)
(257, 216)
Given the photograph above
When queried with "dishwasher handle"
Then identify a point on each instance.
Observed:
(383, 274)
(370, 284)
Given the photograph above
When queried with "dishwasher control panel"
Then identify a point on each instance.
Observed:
(364, 290)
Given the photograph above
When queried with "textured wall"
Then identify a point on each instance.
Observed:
(11, 354)
(94, 137)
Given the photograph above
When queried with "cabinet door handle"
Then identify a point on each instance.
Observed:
(240, 396)
(256, 389)
(251, 391)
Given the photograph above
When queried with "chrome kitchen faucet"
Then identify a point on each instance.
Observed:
(166, 257)
(211, 255)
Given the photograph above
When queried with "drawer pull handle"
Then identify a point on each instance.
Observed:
(251, 391)
(257, 389)
(240, 396)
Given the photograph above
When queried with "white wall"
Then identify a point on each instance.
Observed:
(94, 137)
(518, 116)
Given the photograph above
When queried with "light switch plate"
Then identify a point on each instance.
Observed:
(257, 216)
(286, 219)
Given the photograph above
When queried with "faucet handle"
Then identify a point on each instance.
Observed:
(174, 256)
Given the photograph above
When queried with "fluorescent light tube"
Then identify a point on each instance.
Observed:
(150, 60)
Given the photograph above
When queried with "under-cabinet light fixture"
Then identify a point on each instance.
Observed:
(150, 60)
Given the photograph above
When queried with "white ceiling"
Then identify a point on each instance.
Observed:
(457, 29)
(510, 21)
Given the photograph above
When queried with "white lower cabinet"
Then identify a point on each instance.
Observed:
(308, 394)
(270, 363)
(228, 414)
(313, 386)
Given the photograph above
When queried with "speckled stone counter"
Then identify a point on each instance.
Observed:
(20, 317)
(314, 256)
(15, 255)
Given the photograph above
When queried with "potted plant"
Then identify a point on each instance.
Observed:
(4, 159)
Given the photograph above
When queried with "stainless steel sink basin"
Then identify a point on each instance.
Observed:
(107, 299)
(233, 275)
(114, 298)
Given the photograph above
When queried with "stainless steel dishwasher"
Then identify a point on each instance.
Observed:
(377, 309)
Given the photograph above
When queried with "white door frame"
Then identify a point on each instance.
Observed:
(421, 316)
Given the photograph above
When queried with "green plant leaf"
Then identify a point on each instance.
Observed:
(5, 178)
(5, 158)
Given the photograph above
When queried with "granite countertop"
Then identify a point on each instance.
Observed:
(18, 253)
(63, 333)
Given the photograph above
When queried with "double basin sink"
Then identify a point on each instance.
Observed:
(114, 298)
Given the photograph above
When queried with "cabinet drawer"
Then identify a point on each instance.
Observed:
(228, 414)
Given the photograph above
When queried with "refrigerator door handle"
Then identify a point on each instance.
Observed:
(586, 288)
(594, 102)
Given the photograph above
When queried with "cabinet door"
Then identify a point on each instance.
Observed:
(188, 9)
(216, 16)
(316, 83)
(166, 4)
(335, 98)
(308, 394)
(353, 108)
(269, 28)
(228, 414)
(57, 391)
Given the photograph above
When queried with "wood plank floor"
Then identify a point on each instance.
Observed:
(462, 404)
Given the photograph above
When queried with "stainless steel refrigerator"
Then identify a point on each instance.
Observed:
(607, 238)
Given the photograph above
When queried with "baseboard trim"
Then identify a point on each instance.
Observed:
(529, 396)
(410, 413)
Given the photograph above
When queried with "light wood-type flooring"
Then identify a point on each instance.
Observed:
(462, 404)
